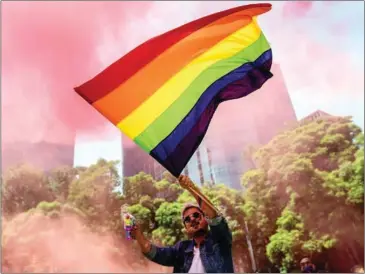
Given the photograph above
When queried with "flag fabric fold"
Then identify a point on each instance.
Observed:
(163, 94)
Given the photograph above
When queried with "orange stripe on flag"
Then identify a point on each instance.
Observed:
(126, 98)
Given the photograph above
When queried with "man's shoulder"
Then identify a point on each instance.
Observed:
(184, 244)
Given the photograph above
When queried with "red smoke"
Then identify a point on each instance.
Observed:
(49, 48)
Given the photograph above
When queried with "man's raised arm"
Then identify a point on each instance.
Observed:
(218, 224)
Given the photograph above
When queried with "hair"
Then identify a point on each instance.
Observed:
(305, 259)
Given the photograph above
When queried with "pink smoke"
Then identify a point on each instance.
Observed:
(297, 8)
(37, 243)
(48, 49)
(326, 70)
(299, 39)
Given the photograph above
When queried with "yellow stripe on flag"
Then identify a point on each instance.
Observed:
(154, 106)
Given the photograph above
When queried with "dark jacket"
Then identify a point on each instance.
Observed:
(215, 251)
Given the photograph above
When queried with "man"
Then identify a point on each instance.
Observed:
(207, 251)
(306, 266)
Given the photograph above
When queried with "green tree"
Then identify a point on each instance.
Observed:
(348, 180)
(170, 227)
(23, 188)
(137, 186)
(143, 215)
(261, 210)
(284, 246)
(167, 190)
(94, 194)
(59, 180)
(291, 241)
(320, 161)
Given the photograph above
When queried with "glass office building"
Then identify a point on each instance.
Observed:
(136, 160)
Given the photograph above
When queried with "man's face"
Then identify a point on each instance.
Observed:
(304, 263)
(195, 223)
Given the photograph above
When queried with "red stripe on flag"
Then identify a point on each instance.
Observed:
(128, 65)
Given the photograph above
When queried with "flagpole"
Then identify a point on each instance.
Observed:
(195, 190)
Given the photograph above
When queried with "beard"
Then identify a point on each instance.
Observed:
(200, 232)
(196, 230)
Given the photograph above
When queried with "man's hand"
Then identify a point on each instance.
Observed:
(207, 207)
(185, 182)
(135, 232)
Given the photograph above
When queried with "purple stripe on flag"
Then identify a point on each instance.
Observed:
(251, 81)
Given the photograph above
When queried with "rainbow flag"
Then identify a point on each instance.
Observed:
(164, 93)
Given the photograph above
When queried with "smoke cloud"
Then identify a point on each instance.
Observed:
(37, 243)
(297, 9)
(48, 49)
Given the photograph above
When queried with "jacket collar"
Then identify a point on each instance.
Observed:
(190, 247)
(207, 243)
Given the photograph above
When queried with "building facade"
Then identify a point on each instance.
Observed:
(136, 160)
(199, 168)
(43, 155)
(248, 122)
(315, 116)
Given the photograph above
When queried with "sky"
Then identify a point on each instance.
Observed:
(50, 47)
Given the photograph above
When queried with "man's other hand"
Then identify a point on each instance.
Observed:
(144, 244)
(136, 232)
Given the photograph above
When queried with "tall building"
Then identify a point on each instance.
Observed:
(315, 116)
(136, 160)
(199, 167)
(211, 175)
(273, 107)
(318, 114)
(42, 155)
(251, 121)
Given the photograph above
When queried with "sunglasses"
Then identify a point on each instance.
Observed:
(196, 215)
